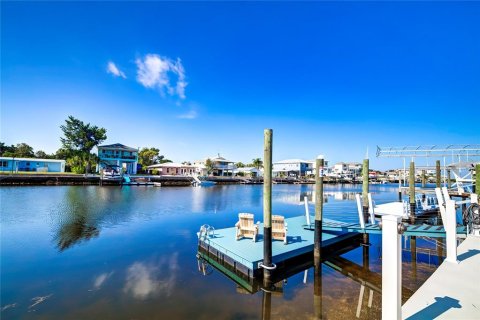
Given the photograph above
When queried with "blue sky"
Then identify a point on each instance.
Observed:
(199, 78)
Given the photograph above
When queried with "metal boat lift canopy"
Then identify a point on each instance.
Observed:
(452, 150)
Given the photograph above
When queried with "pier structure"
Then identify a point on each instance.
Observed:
(426, 302)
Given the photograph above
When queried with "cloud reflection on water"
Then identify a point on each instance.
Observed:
(100, 280)
(152, 279)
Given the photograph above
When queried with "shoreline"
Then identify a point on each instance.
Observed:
(166, 181)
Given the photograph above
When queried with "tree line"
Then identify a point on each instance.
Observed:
(78, 140)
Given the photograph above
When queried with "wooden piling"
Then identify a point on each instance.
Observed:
(438, 174)
(267, 204)
(317, 256)
(449, 182)
(424, 179)
(411, 185)
(365, 170)
(477, 181)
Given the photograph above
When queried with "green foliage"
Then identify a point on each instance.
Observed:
(209, 165)
(42, 155)
(257, 163)
(148, 156)
(21, 150)
(78, 142)
(7, 151)
(240, 165)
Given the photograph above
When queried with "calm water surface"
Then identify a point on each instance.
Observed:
(88, 252)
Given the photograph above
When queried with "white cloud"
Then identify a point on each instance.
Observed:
(192, 114)
(154, 71)
(113, 69)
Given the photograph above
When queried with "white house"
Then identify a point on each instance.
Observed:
(248, 172)
(347, 170)
(13, 164)
(221, 166)
(173, 169)
(292, 168)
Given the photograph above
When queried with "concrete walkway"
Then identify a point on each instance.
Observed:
(453, 290)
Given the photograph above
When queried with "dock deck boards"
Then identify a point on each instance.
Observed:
(453, 291)
(422, 230)
(249, 253)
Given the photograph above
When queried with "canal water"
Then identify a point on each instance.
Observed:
(89, 252)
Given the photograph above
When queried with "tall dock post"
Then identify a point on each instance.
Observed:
(438, 175)
(424, 179)
(411, 185)
(391, 267)
(449, 182)
(365, 170)
(317, 238)
(267, 206)
(477, 180)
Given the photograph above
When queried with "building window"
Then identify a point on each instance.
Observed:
(3, 164)
(27, 164)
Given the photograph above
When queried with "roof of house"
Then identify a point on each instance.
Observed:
(170, 165)
(292, 161)
(31, 159)
(247, 169)
(117, 146)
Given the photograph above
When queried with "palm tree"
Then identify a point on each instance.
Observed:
(257, 163)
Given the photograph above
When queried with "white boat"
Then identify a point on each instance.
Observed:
(111, 173)
(202, 182)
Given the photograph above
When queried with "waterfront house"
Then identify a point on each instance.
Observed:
(12, 164)
(118, 155)
(250, 172)
(293, 168)
(220, 166)
(347, 170)
(173, 169)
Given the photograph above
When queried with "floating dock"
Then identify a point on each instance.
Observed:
(453, 291)
(244, 255)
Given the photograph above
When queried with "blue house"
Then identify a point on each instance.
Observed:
(118, 155)
(13, 164)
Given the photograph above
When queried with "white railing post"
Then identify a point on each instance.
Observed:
(371, 210)
(361, 219)
(451, 229)
(391, 268)
(307, 211)
(474, 198)
(449, 218)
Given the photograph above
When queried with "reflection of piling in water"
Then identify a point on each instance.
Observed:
(366, 255)
(317, 292)
(266, 305)
(413, 253)
(439, 244)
